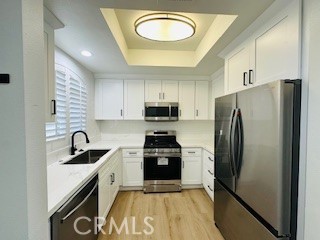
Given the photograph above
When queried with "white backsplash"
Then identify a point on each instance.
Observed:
(135, 130)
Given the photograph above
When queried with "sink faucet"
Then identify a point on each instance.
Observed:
(73, 147)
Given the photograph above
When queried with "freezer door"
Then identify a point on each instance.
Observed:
(264, 180)
(234, 221)
(224, 164)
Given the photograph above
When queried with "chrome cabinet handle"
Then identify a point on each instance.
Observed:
(142, 113)
(121, 112)
(245, 78)
(133, 153)
(192, 152)
(210, 188)
(197, 113)
(111, 178)
(141, 165)
(163, 96)
(210, 172)
(180, 112)
(210, 159)
(182, 164)
(250, 75)
(160, 96)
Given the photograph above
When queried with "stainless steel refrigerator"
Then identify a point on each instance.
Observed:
(257, 135)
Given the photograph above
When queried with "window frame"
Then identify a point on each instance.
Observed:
(83, 102)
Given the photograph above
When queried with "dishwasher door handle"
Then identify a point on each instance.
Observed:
(80, 204)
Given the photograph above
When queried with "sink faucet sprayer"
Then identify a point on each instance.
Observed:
(73, 147)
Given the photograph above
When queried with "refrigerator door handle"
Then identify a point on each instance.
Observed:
(240, 141)
(231, 143)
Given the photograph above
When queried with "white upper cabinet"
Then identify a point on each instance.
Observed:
(237, 69)
(109, 99)
(161, 91)
(133, 99)
(270, 54)
(170, 91)
(49, 77)
(186, 100)
(277, 50)
(153, 91)
(202, 100)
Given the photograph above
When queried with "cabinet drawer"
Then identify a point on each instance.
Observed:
(127, 153)
(208, 184)
(209, 191)
(191, 152)
(208, 173)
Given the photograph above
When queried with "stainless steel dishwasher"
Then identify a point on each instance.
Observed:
(76, 219)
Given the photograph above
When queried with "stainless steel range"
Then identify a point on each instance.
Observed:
(162, 162)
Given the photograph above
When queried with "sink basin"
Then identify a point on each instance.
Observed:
(88, 157)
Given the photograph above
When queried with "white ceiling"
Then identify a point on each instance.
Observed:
(85, 28)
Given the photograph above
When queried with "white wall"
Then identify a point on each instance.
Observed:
(23, 198)
(59, 148)
(201, 131)
(311, 76)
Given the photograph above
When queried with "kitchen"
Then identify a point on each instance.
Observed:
(24, 142)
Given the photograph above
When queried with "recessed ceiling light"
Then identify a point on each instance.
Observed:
(165, 27)
(86, 53)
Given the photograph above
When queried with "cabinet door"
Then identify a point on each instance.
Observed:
(237, 70)
(187, 100)
(113, 185)
(112, 99)
(98, 102)
(191, 170)
(49, 73)
(202, 100)
(170, 91)
(277, 52)
(104, 194)
(132, 172)
(133, 99)
(153, 91)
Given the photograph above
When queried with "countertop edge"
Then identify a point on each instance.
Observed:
(95, 169)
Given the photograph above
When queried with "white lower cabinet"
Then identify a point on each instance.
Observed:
(109, 182)
(191, 166)
(132, 167)
(208, 173)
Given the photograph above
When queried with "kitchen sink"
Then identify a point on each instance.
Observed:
(88, 157)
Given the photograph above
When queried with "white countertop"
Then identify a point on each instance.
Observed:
(65, 180)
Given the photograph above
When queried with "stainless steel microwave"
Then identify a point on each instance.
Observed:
(161, 111)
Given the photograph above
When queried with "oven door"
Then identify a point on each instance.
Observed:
(162, 168)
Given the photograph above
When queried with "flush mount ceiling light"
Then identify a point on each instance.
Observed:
(165, 27)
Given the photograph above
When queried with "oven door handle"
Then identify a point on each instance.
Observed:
(152, 155)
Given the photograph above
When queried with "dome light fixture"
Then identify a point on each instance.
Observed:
(165, 27)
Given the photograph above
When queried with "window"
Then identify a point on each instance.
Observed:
(71, 101)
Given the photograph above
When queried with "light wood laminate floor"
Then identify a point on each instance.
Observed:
(176, 216)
